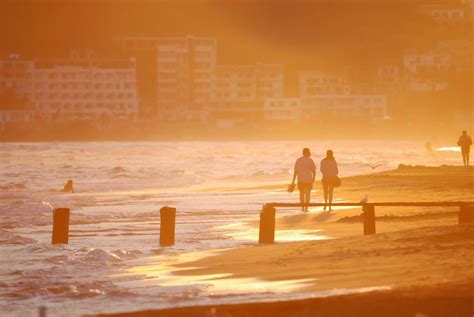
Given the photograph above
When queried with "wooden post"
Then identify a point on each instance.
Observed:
(466, 214)
(369, 219)
(167, 226)
(60, 226)
(267, 225)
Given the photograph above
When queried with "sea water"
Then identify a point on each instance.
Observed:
(217, 188)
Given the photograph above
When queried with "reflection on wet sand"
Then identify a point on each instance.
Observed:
(164, 272)
(242, 231)
(171, 271)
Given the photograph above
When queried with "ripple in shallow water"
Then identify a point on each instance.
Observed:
(7, 237)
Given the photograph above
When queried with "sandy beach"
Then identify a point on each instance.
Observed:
(420, 257)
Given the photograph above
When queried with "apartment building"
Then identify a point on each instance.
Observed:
(16, 118)
(422, 69)
(317, 83)
(460, 52)
(283, 109)
(137, 43)
(185, 66)
(445, 14)
(318, 108)
(238, 91)
(469, 6)
(16, 81)
(86, 89)
(247, 83)
(144, 50)
(425, 62)
(368, 107)
(389, 79)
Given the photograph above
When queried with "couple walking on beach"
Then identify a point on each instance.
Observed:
(305, 171)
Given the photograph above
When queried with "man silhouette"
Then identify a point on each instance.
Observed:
(305, 170)
(465, 143)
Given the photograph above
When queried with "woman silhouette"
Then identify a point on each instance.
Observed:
(330, 179)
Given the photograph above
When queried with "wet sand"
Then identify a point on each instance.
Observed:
(421, 254)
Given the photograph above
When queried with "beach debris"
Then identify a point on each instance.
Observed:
(69, 186)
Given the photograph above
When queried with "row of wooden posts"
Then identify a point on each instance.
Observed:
(61, 226)
(60, 234)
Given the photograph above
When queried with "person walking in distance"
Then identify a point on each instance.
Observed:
(465, 143)
(330, 180)
(305, 170)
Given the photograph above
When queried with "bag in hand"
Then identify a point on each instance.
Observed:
(337, 182)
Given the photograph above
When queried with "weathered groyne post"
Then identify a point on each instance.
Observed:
(60, 226)
(167, 226)
(369, 219)
(267, 224)
(466, 214)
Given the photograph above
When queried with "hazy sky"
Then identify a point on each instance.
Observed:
(247, 30)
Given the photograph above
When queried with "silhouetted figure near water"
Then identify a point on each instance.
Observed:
(330, 180)
(428, 146)
(465, 143)
(305, 170)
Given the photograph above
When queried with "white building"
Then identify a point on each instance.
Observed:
(371, 107)
(317, 83)
(426, 85)
(322, 107)
(190, 86)
(282, 109)
(270, 80)
(238, 91)
(460, 52)
(421, 69)
(15, 118)
(445, 14)
(185, 68)
(247, 83)
(96, 90)
(425, 62)
(469, 6)
(389, 79)
(16, 77)
(137, 43)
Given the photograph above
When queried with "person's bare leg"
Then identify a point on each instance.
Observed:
(307, 198)
(325, 190)
(330, 190)
(302, 198)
